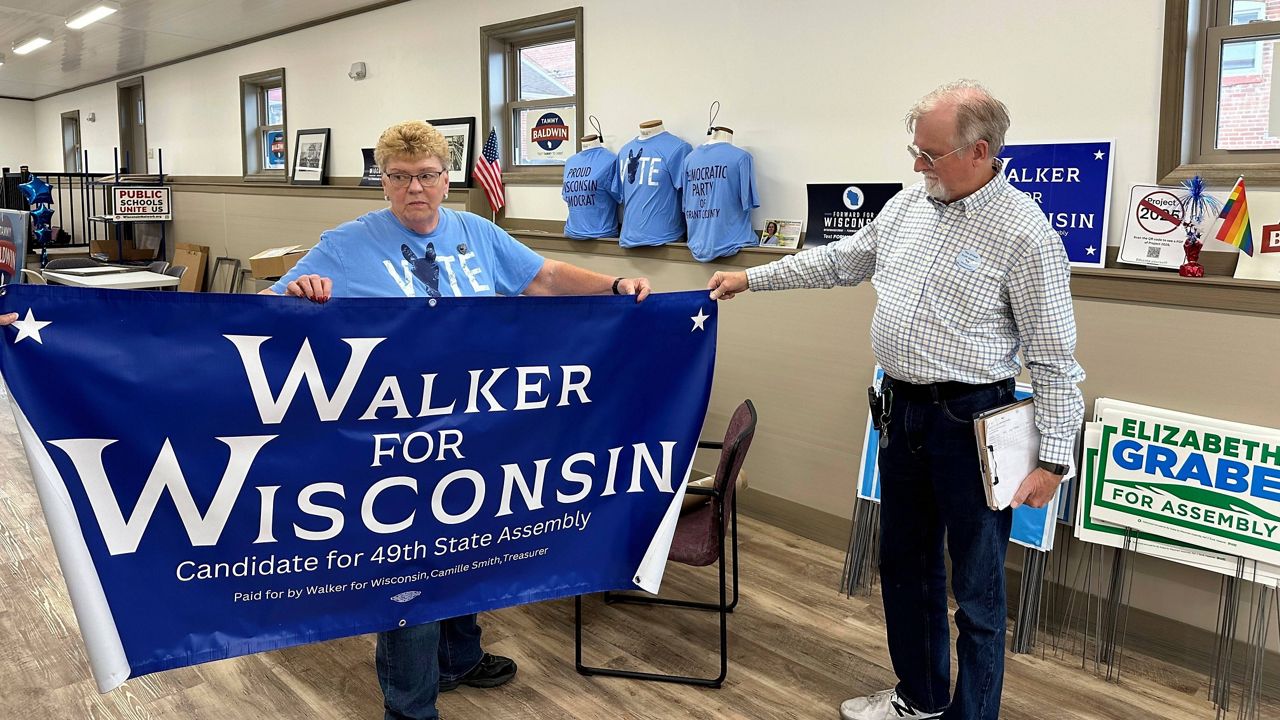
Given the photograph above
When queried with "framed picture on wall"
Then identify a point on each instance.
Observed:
(311, 157)
(460, 134)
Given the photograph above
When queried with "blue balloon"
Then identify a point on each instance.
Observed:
(42, 216)
(36, 191)
(44, 235)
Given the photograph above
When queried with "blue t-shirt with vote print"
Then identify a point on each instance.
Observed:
(375, 256)
(650, 173)
(592, 190)
(719, 185)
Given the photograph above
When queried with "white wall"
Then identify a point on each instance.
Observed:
(18, 134)
(817, 96)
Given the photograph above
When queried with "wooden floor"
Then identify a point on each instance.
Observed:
(797, 649)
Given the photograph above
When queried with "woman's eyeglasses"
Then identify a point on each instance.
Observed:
(426, 179)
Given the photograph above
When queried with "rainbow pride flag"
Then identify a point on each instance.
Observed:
(1235, 220)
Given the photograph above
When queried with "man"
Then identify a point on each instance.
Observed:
(967, 272)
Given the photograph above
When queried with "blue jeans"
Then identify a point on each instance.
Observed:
(412, 660)
(931, 487)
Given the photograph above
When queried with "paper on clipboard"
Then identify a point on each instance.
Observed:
(1009, 446)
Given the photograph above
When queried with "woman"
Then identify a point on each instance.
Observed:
(417, 248)
(770, 236)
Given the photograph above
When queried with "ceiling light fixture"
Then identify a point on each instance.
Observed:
(30, 45)
(92, 14)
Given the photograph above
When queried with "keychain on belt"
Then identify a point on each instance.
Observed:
(881, 405)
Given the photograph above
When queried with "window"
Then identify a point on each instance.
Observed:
(1218, 114)
(531, 82)
(264, 144)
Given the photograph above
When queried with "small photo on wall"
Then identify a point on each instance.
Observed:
(781, 233)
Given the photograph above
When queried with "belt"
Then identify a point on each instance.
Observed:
(941, 390)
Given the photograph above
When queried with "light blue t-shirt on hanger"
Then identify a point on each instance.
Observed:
(375, 256)
(650, 173)
(592, 189)
(719, 185)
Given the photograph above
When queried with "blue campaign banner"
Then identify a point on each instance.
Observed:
(228, 474)
(1071, 181)
(1031, 528)
(14, 226)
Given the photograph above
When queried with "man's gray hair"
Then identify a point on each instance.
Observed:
(979, 116)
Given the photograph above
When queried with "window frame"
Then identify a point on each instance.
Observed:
(500, 45)
(1189, 97)
(253, 125)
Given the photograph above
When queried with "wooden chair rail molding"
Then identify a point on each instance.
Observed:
(1218, 290)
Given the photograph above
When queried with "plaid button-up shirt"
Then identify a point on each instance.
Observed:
(961, 287)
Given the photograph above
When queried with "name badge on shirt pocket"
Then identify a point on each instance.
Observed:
(969, 260)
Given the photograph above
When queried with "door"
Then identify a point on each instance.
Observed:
(131, 101)
(71, 156)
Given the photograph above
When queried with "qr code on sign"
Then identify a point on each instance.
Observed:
(1153, 253)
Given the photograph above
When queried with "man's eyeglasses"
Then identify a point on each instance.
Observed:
(402, 180)
(930, 160)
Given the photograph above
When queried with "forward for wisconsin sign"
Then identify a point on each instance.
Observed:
(1209, 483)
(227, 474)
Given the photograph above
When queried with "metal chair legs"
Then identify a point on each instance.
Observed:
(724, 607)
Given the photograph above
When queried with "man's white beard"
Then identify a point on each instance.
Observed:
(936, 190)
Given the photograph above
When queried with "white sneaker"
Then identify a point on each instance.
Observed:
(884, 705)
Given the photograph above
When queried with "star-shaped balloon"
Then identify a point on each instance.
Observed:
(36, 191)
(44, 235)
(42, 215)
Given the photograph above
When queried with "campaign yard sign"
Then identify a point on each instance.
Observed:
(228, 474)
(138, 202)
(1208, 483)
(1071, 182)
(838, 210)
(14, 229)
(1088, 528)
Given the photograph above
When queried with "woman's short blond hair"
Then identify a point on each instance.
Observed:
(410, 140)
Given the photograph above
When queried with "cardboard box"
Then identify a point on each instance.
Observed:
(272, 263)
(196, 260)
(134, 244)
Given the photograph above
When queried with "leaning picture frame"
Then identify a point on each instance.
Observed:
(226, 275)
(311, 157)
(460, 135)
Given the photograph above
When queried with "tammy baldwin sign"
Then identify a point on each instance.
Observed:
(227, 474)
(1209, 483)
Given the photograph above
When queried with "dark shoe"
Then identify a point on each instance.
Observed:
(493, 670)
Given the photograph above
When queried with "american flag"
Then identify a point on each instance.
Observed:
(489, 171)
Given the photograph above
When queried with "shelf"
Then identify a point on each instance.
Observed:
(1116, 284)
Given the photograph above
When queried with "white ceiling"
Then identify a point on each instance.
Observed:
(144, 33)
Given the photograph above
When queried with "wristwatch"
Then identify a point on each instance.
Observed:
(615, 285)
(1053, 468)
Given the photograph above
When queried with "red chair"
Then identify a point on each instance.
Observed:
(699, 541)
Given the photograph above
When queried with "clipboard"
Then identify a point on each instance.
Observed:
(1008, 448)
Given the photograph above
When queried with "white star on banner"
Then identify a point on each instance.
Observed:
(1090, 250)
(29, 327)
(698, 320)
(1097, 155)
